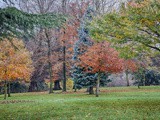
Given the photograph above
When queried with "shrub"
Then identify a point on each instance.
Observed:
(69, 84)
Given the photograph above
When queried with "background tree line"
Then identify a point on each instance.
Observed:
(54, 40)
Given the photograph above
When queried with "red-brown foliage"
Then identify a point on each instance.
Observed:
(130, 65)
(102, 58)
(67, 37)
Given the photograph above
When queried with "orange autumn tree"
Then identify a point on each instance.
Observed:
(101, 58)
(15, 62)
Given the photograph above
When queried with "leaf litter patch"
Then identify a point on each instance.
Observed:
(15, 101)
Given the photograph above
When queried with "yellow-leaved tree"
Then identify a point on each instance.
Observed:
(15, 63)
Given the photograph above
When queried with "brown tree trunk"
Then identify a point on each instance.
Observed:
(64, 2)
(5, 90)
(57, 85)
(97, 85)
(127, 77)
(90, 90)
(75, 87)
(64, 67)
(33, 86)
(9, 89)
(144, 79)
(49, 62)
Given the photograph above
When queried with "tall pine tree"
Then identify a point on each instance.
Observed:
(79, 75)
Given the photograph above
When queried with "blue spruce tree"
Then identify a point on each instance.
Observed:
(80, 77)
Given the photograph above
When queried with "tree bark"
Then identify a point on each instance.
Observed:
(75, 87)
(9, 89)
(90, 90)
(138, 86)
(127, 77)
(97, 85)
(57, 85)
(64, 8)
(33, 86)
(144, 79)
(5, 90)
(64, 67)
(49, 62)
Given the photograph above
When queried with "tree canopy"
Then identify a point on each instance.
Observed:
(133, 30)
(14, 64)
(16, 23)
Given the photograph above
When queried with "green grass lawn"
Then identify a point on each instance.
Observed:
(116, 103)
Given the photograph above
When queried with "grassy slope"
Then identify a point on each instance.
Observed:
(114, 104)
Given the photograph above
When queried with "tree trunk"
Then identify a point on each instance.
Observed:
(5, 90)
(138, 84)
(49, 62)
(64, 67)
(75, 87)
(64, 5)
(33, 86)
(57, 85)
(9, 89)
(127, 77)
(97, 85)
(90, 90)
(144, 79)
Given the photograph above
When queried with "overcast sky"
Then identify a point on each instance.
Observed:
(115, 3)
(2, 4)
